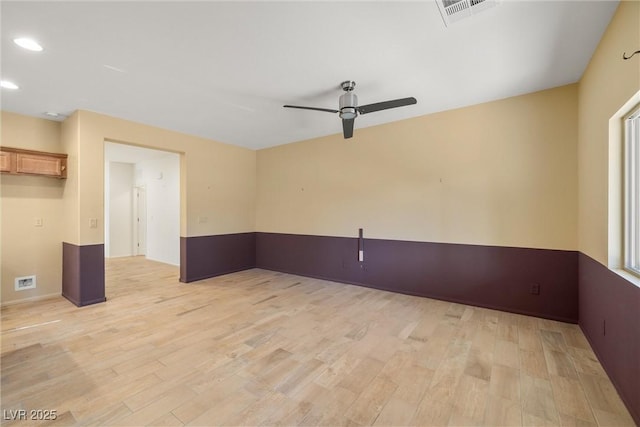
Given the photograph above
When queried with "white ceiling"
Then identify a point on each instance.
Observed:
(223, 70)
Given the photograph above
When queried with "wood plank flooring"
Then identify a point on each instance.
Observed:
(265, 348)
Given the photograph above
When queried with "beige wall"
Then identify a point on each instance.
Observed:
(500, 173)
(604, 88)
(26, 249)
(218, 181)
(69, 138)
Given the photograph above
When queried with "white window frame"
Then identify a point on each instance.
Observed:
(631, 229)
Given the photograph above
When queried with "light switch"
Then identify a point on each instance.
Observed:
(93, 222)
(38, 222)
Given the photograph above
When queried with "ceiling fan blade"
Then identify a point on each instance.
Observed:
(347, 128)
(311, 108)
(370, 108)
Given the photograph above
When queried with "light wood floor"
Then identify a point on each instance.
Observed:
(264, 348)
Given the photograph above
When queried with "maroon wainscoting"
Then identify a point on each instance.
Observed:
(208, 256)
(331, 258)
(83, 273)
(487, 276)
(610, 318)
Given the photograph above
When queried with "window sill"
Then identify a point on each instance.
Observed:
(635, 280)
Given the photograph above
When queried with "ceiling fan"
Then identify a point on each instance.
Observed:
(349, 107)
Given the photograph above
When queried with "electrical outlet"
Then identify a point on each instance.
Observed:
(202, 219)
(361, 256)
(535, 289)
(37, 222)
(93, 222)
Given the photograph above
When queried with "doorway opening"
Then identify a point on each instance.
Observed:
(141, 203)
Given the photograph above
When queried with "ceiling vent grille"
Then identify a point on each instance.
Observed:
(455, 10)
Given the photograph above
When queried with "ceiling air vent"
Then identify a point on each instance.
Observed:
(455, 10)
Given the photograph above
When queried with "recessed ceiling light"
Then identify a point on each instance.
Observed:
(52, 114)
(8, 85)
(28, 44)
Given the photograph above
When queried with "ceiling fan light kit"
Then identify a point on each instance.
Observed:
(349, 109)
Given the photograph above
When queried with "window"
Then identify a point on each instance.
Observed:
(632, 193)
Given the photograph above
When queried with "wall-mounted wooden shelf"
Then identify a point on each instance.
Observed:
(16, 161)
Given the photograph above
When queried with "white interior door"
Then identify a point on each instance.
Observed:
(141, 221)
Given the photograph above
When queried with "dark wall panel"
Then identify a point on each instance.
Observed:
(71, 272)
(610, 318)
(332, 258)
(83, 273)
(208, 256)
(488, 276)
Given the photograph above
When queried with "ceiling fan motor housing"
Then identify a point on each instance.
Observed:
(348, 105)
